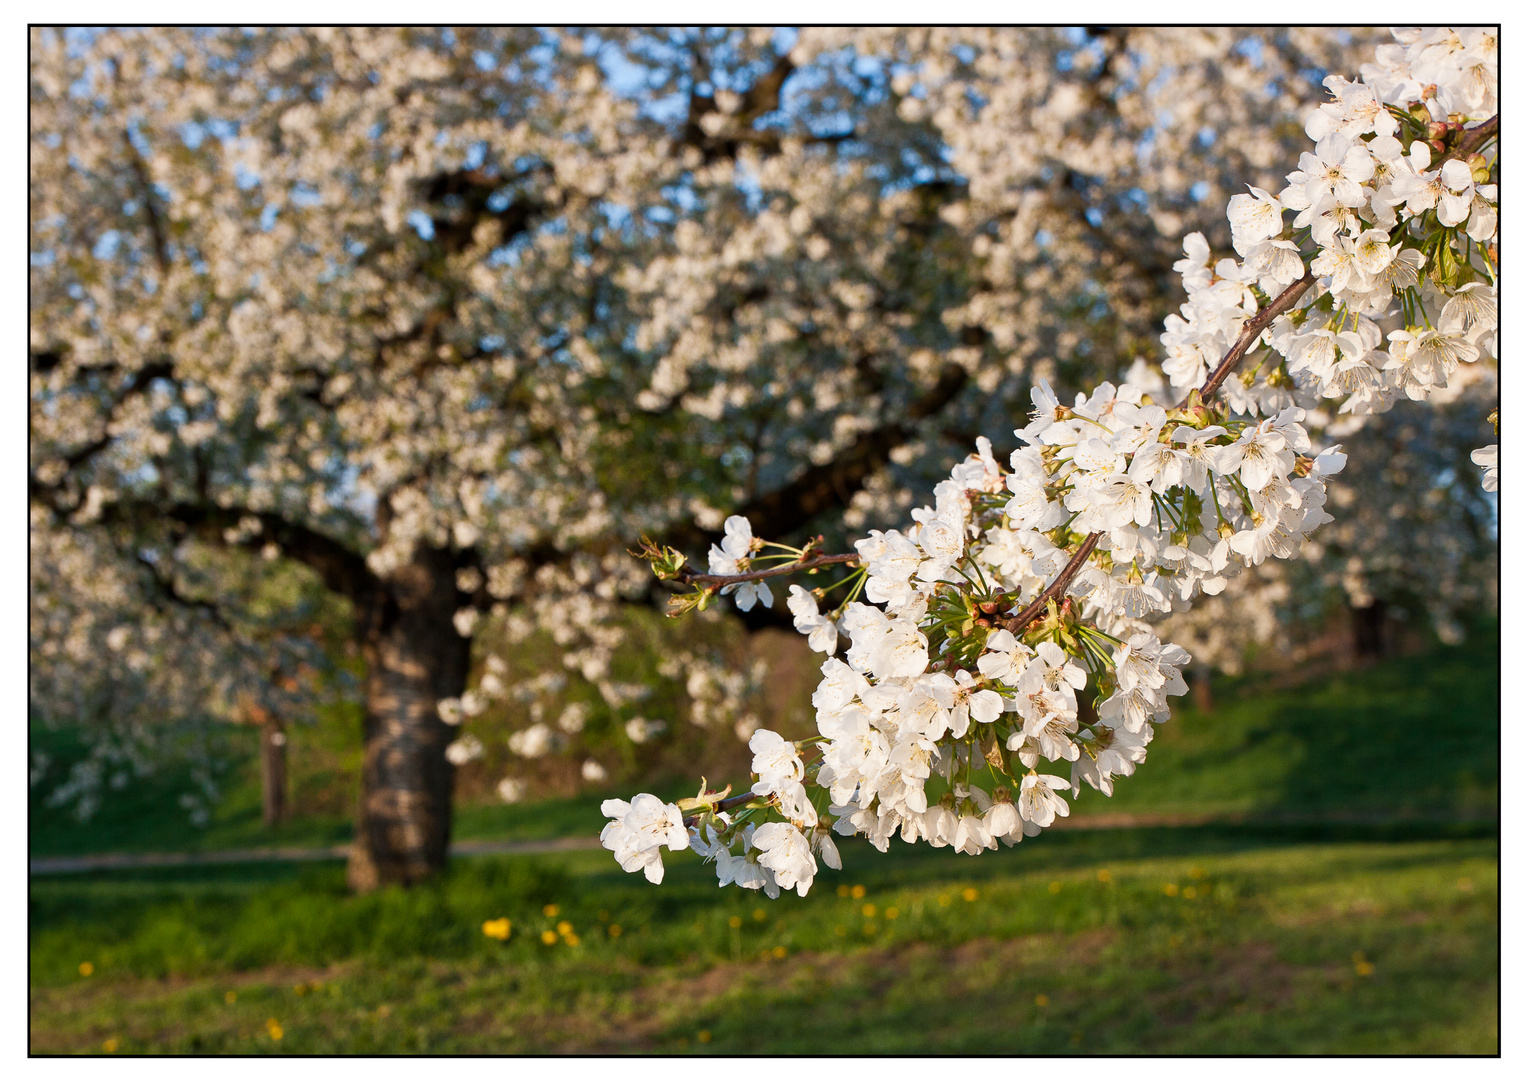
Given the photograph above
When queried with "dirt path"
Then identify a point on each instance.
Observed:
(78, 864)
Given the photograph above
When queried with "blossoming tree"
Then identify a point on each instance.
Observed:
(450, 317)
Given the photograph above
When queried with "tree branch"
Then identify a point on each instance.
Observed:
(834, 483)
(1252, 331)
(342, 570)
(685, 578)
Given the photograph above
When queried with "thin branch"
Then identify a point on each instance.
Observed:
(1252, 331)
(1055, 588)
(812, 754)
(760, 575)
(150, 210)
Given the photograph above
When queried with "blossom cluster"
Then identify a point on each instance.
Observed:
(1002, 635)
(1390, 217)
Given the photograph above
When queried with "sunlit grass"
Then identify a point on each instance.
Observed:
(1284, 948)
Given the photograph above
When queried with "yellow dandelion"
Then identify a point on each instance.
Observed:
(703, 1036)
(1103, 875)
(758, 914)
(1364, 968)
(615, 930)
(565, 927)
(273, 1029)
(110, 1045)
(230, 997)
(1055, 887)
(300, 989)
(497, 928)
(548, 937)
(944, 899)
(868, 911)
(1170, 889)
(550, 911)
(1190, 892)
(87, 969)
(891, 913)
(572, 939)
(1196, 873)
(779, 951)
(1042, 1000)
(968, 895)
(858, 892)
(735, 922)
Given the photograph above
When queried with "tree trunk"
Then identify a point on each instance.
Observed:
(1369, 631)
(272, 772)
(1204, 692)
(414, 657)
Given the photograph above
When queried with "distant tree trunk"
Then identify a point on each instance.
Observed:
(1204, 692)
(272, 771)
(414, 658)
(1369, 631)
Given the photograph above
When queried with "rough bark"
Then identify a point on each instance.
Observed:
(414, 657)
(273, 772)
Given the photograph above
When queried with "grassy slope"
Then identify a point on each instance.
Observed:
(1415, 734)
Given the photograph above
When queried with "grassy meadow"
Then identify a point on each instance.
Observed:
(1374, 930)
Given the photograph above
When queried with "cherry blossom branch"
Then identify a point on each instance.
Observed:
(1473, 139)
(1252, 331)
(1016, 624)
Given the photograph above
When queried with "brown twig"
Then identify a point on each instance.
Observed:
(1252, 331)
(1054, 589)
(811, 754)
(759, 575)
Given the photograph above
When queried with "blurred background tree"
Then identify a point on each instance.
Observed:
(401, 338)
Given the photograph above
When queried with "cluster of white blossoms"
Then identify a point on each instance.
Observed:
(1001, 636)
(1386, 215)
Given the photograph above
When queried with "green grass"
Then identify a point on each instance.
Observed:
(1257, 950)
(1413, 735)
(1356, 937)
